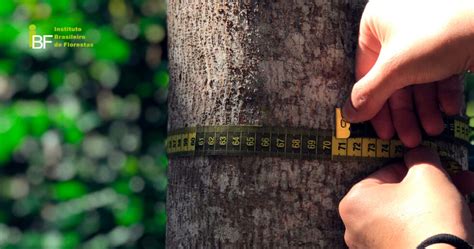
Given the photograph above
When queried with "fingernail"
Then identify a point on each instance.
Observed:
(344, 115)
(348, 112)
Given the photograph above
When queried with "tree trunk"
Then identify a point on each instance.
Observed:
(272, 63)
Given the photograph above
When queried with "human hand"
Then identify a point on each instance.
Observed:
(401, 205)
(423, 43)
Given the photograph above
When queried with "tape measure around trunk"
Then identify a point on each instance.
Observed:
(346, 141)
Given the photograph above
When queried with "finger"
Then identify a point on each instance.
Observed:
(404, 118)
(464, 181)
(422, 159)
(382, 123)
(471, 207)
(367, 52)
(393, 173)
(426, 101)
(371, 92)
(451, 95)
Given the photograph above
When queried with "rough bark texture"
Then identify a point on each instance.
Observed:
(276, 63)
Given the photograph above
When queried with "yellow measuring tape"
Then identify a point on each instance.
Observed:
(346, 141)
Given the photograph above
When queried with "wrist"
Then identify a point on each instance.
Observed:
(459, 226)
(460, 233)
(444, 241)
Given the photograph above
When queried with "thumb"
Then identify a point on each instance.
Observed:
(371, 92)
(393, 173)
(424, 163)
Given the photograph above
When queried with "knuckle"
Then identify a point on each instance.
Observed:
(348, 205)
(384, 132)
(450, 105)
(422, 172)
(451, 111)
(347, 239)
(434, 128)
(351, 240)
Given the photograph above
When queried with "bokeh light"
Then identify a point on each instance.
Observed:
(82, 160)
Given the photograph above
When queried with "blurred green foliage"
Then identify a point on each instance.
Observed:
(82, 162)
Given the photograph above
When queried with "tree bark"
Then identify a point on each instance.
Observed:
(272, 63)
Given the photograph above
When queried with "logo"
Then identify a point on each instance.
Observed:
(39, 41)
(67, 37)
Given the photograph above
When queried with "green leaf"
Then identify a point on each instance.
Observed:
(70, 240)
(6, 67)
(58, 6)
(56, 77)
(163, 161)
(30, 240)
(162, 79)
(68, 190)
(9, 33)
(132, 214)
(35, 116)
(470, 108)
(12, 132)
(72, 133)
(122, 187)
(469, 80)
(131, 166)
(111, 47)
(7, 7)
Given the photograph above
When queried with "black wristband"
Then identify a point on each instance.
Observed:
(445, 239)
